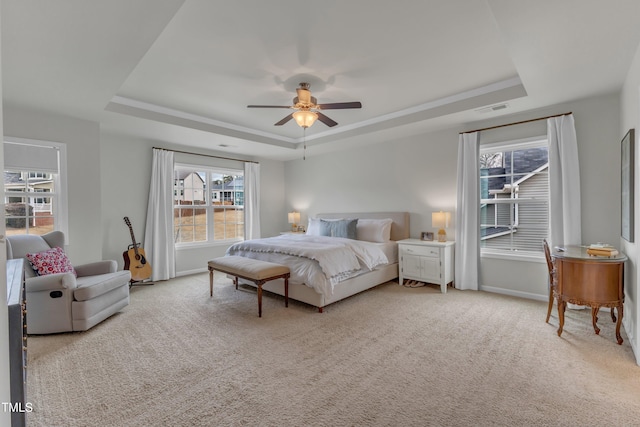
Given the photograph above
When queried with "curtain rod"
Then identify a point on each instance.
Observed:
(206, 155)
(516, 123)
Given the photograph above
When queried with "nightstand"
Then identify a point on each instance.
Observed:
(426, 261)
(292, 232)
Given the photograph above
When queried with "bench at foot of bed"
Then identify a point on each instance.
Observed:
(259, 272)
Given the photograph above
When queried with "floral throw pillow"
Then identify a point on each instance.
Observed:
(51, 261)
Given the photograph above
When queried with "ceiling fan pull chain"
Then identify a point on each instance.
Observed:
(304, 141)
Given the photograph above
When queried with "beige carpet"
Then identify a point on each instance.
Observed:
(391, 356)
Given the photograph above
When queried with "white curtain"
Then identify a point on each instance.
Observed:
(158, 237)
(467, 249)
(251, 200)
(564, 178)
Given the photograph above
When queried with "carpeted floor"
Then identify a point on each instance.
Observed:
(391, 356)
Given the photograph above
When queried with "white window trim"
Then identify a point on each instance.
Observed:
(61, 217)
(514, 145)
(512, 255)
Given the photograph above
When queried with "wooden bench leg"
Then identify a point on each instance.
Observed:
(210, 282)
(286, 291)
(259, 284)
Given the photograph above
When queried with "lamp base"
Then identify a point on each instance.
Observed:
(294, 227)
(442, 235)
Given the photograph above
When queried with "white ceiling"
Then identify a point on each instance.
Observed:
(183, 71)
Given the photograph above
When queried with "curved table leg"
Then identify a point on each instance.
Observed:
(594, 319)
(561, 306)
(620, 311)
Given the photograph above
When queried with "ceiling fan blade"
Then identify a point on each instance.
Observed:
(268, 106)
(285, 120)
(340, 105)
(326, 120)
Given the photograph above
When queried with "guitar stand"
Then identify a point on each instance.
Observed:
(139, 283)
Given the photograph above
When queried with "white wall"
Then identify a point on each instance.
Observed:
(83, 172)
(415, 174)
(418, 175)
(125, 191)
(630, 118)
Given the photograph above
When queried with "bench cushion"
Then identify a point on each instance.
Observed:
(247, 267)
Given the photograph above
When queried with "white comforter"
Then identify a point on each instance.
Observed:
(318, 261)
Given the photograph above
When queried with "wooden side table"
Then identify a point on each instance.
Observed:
(594, 281)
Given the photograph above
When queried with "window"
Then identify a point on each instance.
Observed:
(514, 196)
(35, 187)
(208, 204)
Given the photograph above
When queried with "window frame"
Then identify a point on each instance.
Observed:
(60, 211)
(511, 146)
(208, 205)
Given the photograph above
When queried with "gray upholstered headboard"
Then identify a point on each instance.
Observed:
(399, 227)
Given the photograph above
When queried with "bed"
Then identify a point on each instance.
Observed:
(374, 269)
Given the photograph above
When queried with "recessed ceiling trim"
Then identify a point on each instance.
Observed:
(432, 105)
(482, 96)
(152, 108)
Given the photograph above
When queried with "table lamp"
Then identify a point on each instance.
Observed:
(440, 220)
(294, 219)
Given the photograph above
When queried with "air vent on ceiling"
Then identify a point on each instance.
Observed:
(492, 108)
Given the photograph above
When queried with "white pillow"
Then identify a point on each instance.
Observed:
(313, 227)
(374, 230)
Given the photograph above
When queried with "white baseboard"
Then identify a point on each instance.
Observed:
(632, 342)
(519, 294)
(190, 272)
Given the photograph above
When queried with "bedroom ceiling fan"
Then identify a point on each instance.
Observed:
(308, 109)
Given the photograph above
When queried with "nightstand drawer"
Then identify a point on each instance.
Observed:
(420, 250)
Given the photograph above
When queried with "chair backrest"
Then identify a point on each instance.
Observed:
(550, 265)
(19, 245)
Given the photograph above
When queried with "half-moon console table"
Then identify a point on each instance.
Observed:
(594, 281)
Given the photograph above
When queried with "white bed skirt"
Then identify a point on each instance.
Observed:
(303, 293)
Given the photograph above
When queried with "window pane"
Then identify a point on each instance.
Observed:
(29, 202)
(514, 188)
(228, 223)
(227, 198)
(190, 224)
(221, 197)
(189, 187)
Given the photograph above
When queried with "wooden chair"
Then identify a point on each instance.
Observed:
(552, 276)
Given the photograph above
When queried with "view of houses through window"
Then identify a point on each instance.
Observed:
(30, 202)
(208, 204)
(514, 187)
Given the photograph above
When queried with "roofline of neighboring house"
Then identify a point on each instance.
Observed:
(510, 187)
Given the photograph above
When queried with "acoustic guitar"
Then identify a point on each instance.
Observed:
(134, 258)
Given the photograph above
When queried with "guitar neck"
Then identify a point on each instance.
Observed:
(133, 238)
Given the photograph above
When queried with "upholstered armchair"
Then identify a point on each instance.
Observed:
(62, 302)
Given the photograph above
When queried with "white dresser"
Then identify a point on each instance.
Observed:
(426, 261)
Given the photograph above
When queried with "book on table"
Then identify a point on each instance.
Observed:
(602, 249)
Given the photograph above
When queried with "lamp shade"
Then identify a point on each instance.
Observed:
(294, 217)
(305, 118)
(440, 219)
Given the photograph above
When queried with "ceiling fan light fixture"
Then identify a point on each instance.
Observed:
(305, 118)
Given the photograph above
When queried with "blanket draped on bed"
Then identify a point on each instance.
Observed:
(338, 258)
